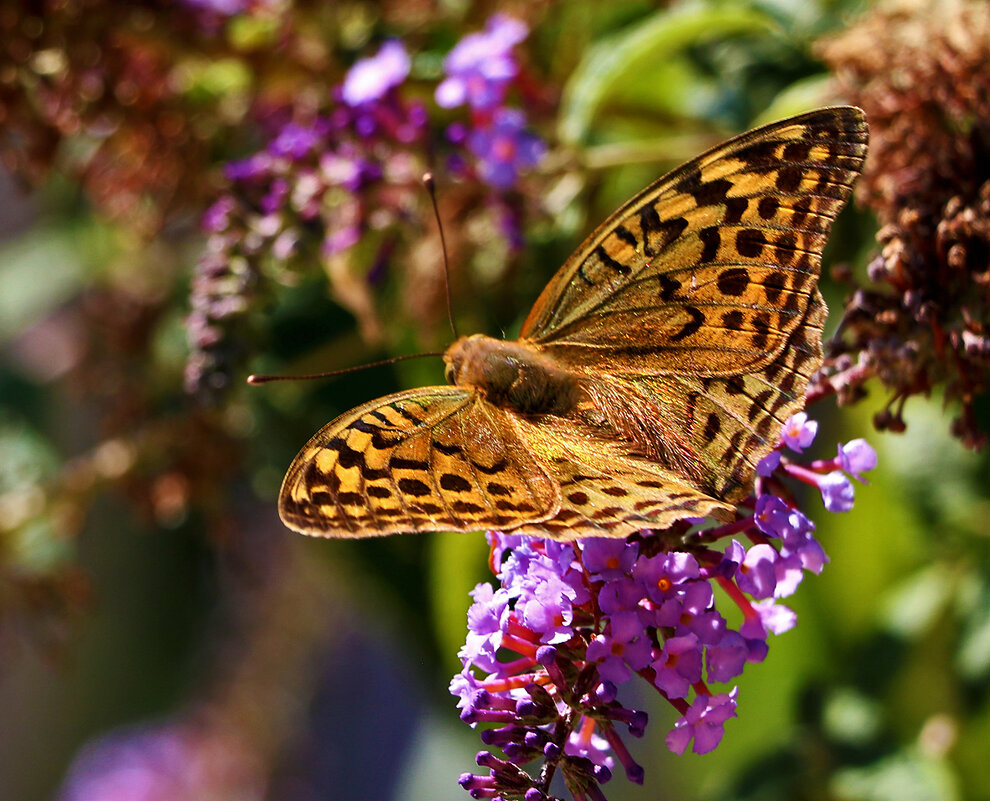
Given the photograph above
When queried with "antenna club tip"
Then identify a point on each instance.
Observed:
(428, 178)
(255, 379)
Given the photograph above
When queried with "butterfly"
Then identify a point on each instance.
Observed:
(654, 372)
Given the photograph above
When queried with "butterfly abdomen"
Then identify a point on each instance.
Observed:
(512, 375)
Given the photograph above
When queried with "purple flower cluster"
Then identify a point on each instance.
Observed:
(481, 69)
(335, 169)
(358, 166)
(829, 475)
(175, 760)
(571, 622)
(351, 173)
(331, 177)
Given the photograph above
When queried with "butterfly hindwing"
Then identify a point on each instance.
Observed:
(605, 490)
(732, 422)
(432, 459)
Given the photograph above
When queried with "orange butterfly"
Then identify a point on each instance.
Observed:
(654, 372)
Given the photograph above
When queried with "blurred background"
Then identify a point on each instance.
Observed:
(195, 190)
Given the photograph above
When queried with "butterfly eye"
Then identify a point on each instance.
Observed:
(449, 373)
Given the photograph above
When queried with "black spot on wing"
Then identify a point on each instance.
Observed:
(399, 463)
(710, 240)
(346, 455)
(712, 426)
(498, 467)
(405, 413)
(789, 178)
(627, 236)
(733, 281)
(797, 151)
(750, 242)
(454, 483)
(657, 233)
(668, 287)
(733, 320)
(767, 207)
(735, 207)
(773, 285)
(691, 326)
(413, 487)
(602, 255)
(448, 450)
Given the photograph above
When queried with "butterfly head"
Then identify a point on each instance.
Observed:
(464, 361)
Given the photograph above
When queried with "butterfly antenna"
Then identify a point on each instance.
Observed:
(265, 379)
(431, 188)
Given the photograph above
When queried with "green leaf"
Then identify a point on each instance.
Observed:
(204, 80)
(906, 776)
(852, 717)
(912, 607)
(617, 60)
(810, 93)
(974, 645)
(457, 563)
(38, 271)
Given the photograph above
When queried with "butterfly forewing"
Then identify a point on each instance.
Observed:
(433, 459)
(709, 270)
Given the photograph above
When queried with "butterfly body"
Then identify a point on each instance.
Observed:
(653, 373)
(520, 378)
(513, 375)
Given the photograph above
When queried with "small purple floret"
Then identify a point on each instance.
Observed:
(799, 432)
(504, 148)
(856, 457)
(679, 665)
(481, 65)
(768, 464)
(726, 660)
(624, 646)
(371, 78)
(837, 492)
(703, 722)
(756, 575)
(775, 617)
(608, 559)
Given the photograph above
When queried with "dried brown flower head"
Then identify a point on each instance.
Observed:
(921, 71)
(88, 86)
